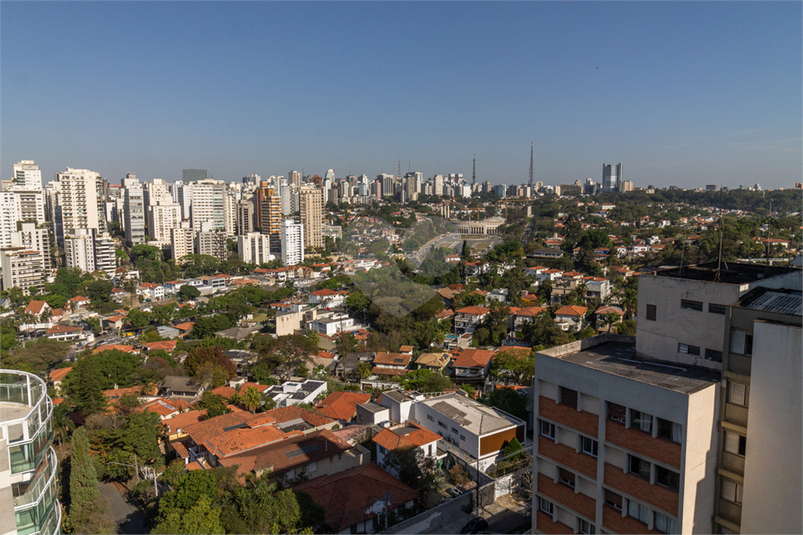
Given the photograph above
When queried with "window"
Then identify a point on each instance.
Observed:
(584, 526)
(546, 506)
(547, 429)
(667, 478)
(641, 420)
(441, 424)
(617, 413)
(690, 350)
(711, 354)
(454, 430)
(291, 473)
(688, 304)
(713, 308)
(462, 437)
(566, 477)
(339, 456)
(737, 394)
(668, 430)
(731, 491)
(665, 524)
(589, 446)
(613, 500)
(741, 343)
(638, 511)
(568, 397)
(312, 467)
(430, 418)
(382, 449)
(735, 443)
(651, 312)
(639, 467)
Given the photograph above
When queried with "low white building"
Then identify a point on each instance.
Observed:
(293, 393)
(254, 248)
(402, 437)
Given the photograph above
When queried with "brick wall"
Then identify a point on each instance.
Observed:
(660, 449)
(562, 494)
(654, 495)
(544, 524)
(581, 420)
(614, 521)
(568, 456)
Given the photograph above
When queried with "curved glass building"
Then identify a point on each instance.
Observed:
(28, 467)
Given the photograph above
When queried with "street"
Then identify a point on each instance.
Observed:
(129, 519)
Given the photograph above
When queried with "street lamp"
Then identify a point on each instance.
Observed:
(147, 470)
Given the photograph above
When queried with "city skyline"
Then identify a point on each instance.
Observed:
(684, 94)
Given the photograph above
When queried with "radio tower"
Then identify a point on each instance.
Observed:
(531, 166)
(474, 172)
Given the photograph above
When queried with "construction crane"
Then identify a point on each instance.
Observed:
(507, 201)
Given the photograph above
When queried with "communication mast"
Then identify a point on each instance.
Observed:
(531, 165)
(474, 171)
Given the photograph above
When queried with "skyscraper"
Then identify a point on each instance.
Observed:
(133, 210)
(292, 242)
(268, 211)
(311, 209)
(80, 203)
(208, 204)
(611, 176)
(27, 176)
(295, 178)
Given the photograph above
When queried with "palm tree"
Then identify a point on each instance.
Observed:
(251, 399)
(609, 320)
(582, 289)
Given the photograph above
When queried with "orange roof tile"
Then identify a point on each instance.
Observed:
(473, 358)
(59, 374)
(343, 405)
(571, 311)
(474, 311)
(185, 326)
(392, 359)
(388, 371)
(164, 345)
(407, 436)
(114, 347)
(35, 307)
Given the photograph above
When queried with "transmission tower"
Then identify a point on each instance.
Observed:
(474, 171)
(531, 165)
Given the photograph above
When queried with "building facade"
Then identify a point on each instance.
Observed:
(254, 248)
(292, 242)
(311, 210)
(23, 269)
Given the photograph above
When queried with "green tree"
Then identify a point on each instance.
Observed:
(514, 363)
(251, 399)
(86, 506)
(188, 293)
(99, 291)
(214, 354)
(412, 467)
(215, 404)
(510, 401)
(84, 386)
(200, 518)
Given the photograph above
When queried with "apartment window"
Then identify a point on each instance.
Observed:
(690, 350)
(667, 478)
(651, 312)
(714, 308)
(568, 397)
(665, 524)
(613, 500)
(441, 424)
(735, 443)
(454, 430)
(669, 430)
(546, 506)
(737, 394)
(641, 420)
(566, 477)
(547, 429)
(688, 304)
(638, 511)
(584, 526)
(430, 418)
(589, 446)
(617, 413)
(731, 491)
(711, 354)
(462, 437)
(312, 467)
(741, 343)
(639, 467)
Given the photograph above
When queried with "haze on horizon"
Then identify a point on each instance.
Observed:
(683, 94)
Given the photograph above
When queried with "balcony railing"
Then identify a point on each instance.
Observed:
(28, 424)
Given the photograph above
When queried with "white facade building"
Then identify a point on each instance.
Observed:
(80, 202)
(254, 248)
(292, 242)
(27, 176)
(208, 204)
(183, 242)
(34, 239)
(22, 269)
(163, 218)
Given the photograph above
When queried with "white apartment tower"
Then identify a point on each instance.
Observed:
(80, 203)
(295, 178)
(27, 176)
(292, 242)
(33, 239)
(162, 218)
(9, 215)
(157, 192)
(254, 248)
(183, 242)
(22, 269)
(134, 210)
(208, 204)
(311, 210)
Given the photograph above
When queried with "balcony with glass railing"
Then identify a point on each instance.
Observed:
(26, 430)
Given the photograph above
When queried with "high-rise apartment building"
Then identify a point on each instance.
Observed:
(80, 203)
(133, 210)
(27, 176)
(760, 454)
(230, 211)
(611, 176)
(310, 202)
(268, 213)
(294, 177)
(211, 242)
(182, 241)
(292, 243)
(29, 470)
(157, 192)
(255, 248)
(245, 216)
(162, 218)
(9, 215)
(34, 239)
(79, 250)
(208, 204)
(23, 269)
(105, 253)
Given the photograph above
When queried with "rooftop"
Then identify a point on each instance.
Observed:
(769, 300)
(732, 273)
(471, 414)
(619, 358)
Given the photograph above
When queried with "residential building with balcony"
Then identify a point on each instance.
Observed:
(471, 364)
(22, 269)
(760, 453)
(623, 444)
(28, 466)
(468, 318)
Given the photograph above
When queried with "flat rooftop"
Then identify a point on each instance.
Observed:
(471, 414)
(619, 358)
(731, 273)
(772, 300)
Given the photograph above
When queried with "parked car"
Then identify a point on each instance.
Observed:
(475, 525)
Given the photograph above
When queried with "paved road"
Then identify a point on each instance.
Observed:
(129, 519)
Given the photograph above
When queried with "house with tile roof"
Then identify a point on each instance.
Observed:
(78, 302)
(37, 308)
(165, 408)
(293, 392)
(471, 363)
(526, 315)
(342, 405)
(57, 377)
(403, 437)
(67, 333)
(116, 347)
(391, 364)
(468, 318)
(357, 500)
(436, 362)
(568, 317)
(162, 345)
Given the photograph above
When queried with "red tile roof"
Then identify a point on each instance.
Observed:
(185, 326)
(60, 329)
(343, 405)
(114, 347)
(35, 307)
(388, 371)
(473, 358)
(364, 485)
(227, 391)
(59, 374)
(180, 422)
(571, 311)
(406, 436)
(165, 407)
(530, 311)
(474, 311)
(164, 345)
(392, 359)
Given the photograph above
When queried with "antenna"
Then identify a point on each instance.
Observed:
(721, 233)
(474, 172)
(531, 166)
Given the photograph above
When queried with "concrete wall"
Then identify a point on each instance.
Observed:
(698, 478)
(773, 468)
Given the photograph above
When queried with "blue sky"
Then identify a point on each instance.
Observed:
(682, 93)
